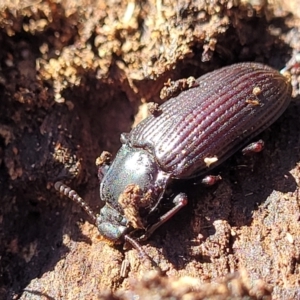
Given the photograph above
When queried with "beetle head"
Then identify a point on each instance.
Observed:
(132, 187)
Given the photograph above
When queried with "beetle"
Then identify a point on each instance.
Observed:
(186, 137)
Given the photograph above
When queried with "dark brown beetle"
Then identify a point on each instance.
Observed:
(194, 132)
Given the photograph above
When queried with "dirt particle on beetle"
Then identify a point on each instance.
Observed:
(103, 159)
(154, 109)
(210, 160)
(256, 91)
(253, 102)
(173, 88)
(132, 200)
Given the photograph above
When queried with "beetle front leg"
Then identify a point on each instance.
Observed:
(180, 201)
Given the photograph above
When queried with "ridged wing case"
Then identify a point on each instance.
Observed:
(206, 124)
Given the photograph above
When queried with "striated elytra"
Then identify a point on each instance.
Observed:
(227, 109)
(192, 133)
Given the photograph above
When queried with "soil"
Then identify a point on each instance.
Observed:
(74, 75)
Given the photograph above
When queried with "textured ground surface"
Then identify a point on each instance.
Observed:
(76, 74)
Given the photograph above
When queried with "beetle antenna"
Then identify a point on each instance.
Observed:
(67, 191)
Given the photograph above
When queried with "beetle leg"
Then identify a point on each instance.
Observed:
(180, 201)
(254, 147)
(136, 246)
(211, 179)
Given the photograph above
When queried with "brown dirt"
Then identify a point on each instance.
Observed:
(74, 75)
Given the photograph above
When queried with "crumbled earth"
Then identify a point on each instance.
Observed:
(74, 75)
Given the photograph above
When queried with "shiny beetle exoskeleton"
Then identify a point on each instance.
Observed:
(194, 132)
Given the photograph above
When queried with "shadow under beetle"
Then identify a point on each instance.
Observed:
(188, 136)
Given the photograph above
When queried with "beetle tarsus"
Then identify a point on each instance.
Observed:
(254, 147)
(136, 246)
(143, 255)
(211, 179)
